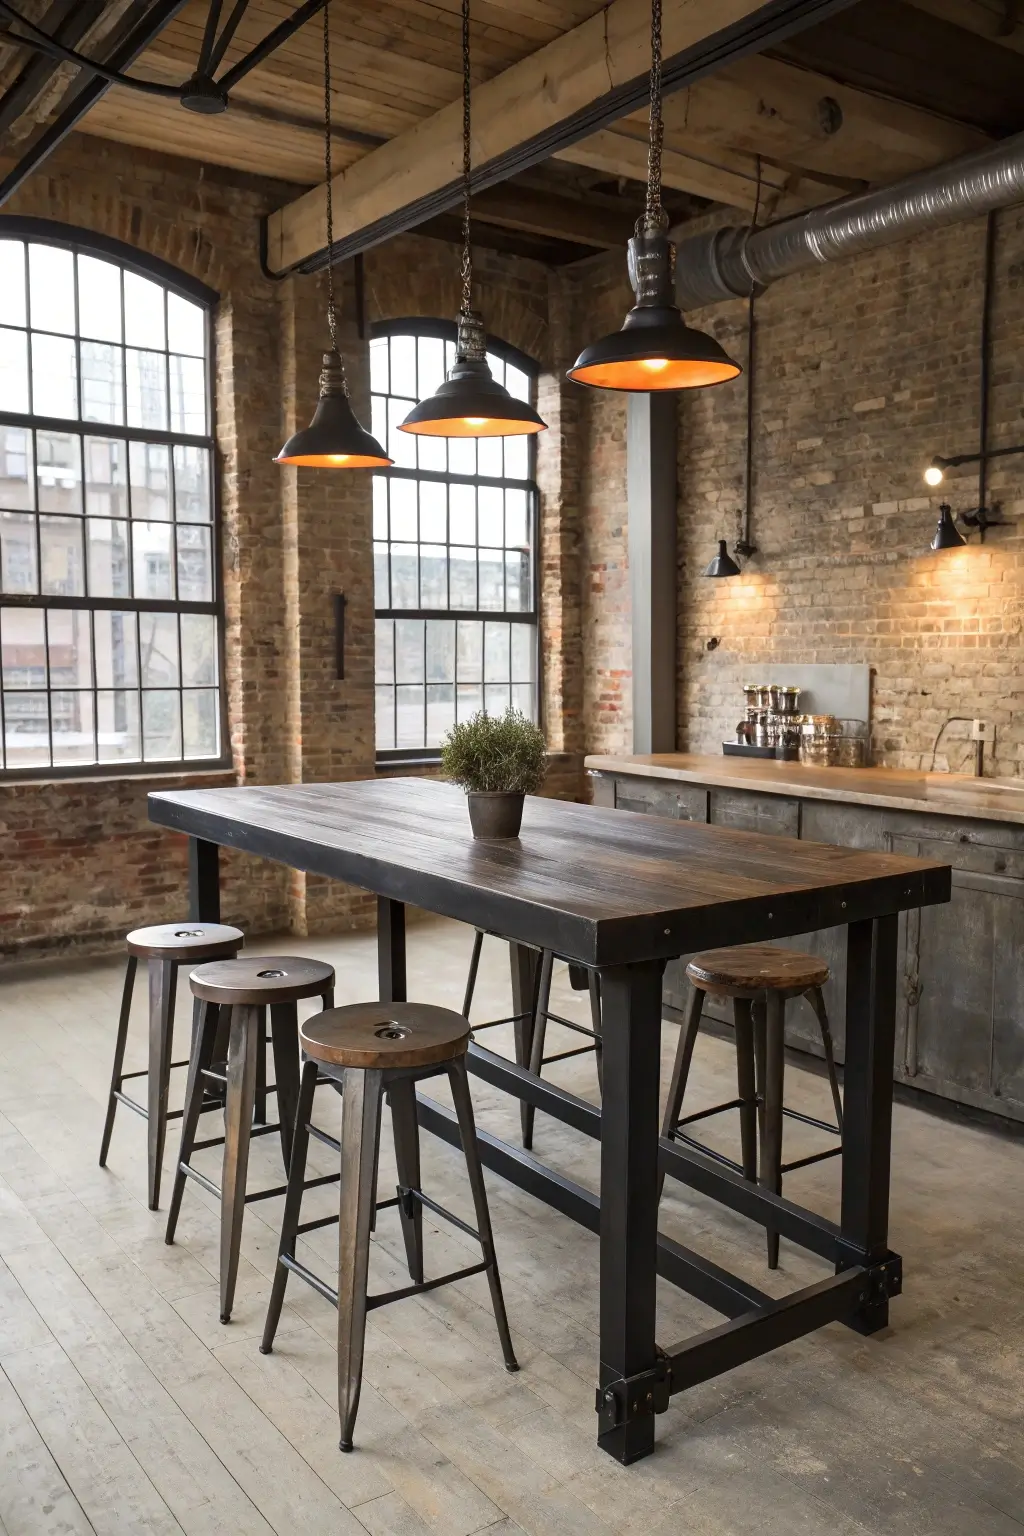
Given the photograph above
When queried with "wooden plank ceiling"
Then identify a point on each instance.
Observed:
(878, 90)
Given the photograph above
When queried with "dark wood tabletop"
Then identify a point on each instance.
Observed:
(599, 886)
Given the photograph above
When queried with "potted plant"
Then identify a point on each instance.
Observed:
(497, 760)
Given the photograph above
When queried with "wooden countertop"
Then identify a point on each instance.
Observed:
(940, 794)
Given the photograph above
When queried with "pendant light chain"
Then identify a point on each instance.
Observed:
(654, 215)
(332, 320)
(467, 151)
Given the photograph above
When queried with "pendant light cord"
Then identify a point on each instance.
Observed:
(332, 319)
(654, 214)
(467, 148)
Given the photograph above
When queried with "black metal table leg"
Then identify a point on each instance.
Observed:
(867, 1119)
(391, 950)
(525, 966)
(631, 997)
(203, 881)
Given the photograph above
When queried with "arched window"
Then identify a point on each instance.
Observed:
(110, 604)
(455, 541)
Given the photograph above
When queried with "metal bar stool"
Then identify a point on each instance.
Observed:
(246, 988)
(373, 1049)
(581, 979)
(760, 979)
(164, 947)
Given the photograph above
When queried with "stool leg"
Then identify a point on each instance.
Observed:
(540, 1029)
(402, 1096)
(259, 1103)
(246, 1024)
(474, 966)
(771, 1091)
(360, 1125)
(292, 1203)
(594, 987)
(199, 1061)
(284, 1031)
(681, 1070)
(163, 981)
(746, 1082)
(119, 1047)
(459, 1079)
(817, 1002)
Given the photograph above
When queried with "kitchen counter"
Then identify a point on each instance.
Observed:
(948, 794)
(960, 1008)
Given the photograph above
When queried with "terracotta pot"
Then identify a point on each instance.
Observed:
(495, 812)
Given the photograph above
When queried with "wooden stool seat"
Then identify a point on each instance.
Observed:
(750, 969)
(385, 1035)
(256, 980)
(182, 943)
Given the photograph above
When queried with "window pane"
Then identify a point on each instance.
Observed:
(518, 591)
(23, 648)
(381, 584)
(517, 458)
(61, 556)
(107, 553)
(158, 649)
(51, 289)
(433, 576)
(12, 282)
(16, 488)
(147, 389)
(188, 395)
(117, 662)
(492, 579)
(384, 718)
(384, 651)
(192, 484)
(149, 465)
(462, 455)
(186, 326)
(462, 514)
(102, 383)
(106, 477)
(143, 312)
(26, 730)
(471, 651)
(401, 445)
(440, 650)
(199, 714)
(524, 651)
(405, 585)
(379, 365)
(72, 727)
(118, 737)
(432, 453)
(497, 698)
(440, 713)
(490, 459)
(524, 699)
(59, 471)
(430, 351)
(496, 652)
(403, 367)
(54, 377)
(198, 650)
(69, 639)
(491, 515)
(18, 552)
(409, 707)
(409, 650)
(161, 724)
(99, 299)
(380, 507)
(433, 512)
(469, 700)
(462, 578)
(403, 509)
(195, 563)
(151, 559)
(516, 518)
(13, 371)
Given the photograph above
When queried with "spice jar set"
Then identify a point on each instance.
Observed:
(774, 727)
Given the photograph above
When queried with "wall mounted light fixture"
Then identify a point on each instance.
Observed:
(723, 564)
(947, 534)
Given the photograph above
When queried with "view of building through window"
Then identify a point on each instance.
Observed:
(108, 583)
(454, 527)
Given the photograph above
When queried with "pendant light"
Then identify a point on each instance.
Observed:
(470, 402)
(947, 534)
(655, 348)
(723, 564)
(334, 438)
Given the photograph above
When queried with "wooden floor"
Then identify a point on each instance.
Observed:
(125, 1406)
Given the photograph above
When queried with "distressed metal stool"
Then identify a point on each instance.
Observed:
(247, 987)
(164, 947)
(373, 1049)
(581, 979)
(760, 979)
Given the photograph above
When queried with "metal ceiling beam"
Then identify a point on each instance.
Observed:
(140, 25)
(69, 20)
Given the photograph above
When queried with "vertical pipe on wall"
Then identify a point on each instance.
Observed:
(651, 495)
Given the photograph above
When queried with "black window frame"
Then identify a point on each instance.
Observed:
(77, 240)
(447, 330)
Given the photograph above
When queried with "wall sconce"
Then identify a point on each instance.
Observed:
(947, 534)
(723, 564)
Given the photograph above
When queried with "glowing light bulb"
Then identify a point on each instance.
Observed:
(338, 458)
(933, 475)
(654, 364)
(475, 421)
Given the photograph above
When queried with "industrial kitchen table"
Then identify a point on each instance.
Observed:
(622, 893)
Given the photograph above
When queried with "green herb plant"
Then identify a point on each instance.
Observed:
(495, 752)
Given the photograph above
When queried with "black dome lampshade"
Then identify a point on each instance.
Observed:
(655, 349)
(470, 402)
(723, 564)
(947, 534)
(334, 438)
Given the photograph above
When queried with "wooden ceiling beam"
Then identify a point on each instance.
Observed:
(566, 90)
(553, 215)
(991, 19)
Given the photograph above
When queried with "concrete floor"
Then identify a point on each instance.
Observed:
(125, 1406)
